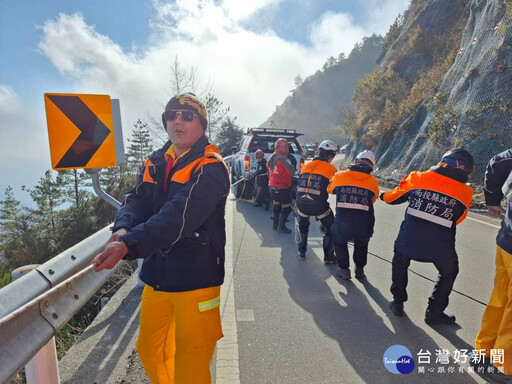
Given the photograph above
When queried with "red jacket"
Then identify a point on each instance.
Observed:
(280, 170)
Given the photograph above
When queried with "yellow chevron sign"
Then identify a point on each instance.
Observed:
(80, 129)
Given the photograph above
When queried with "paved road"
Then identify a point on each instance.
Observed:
(297, 322)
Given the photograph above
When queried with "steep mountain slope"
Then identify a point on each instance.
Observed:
(315, 107)
(451, 67)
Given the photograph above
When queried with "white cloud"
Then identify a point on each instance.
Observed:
(335, 33)
(25, 154)
(381, 14)
(252, 72)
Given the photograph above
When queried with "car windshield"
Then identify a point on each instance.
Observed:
(266, 144)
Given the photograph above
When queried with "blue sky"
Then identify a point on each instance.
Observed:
(248, 52)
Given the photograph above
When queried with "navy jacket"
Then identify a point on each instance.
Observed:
(312, 188)
(179, 231)
(438, 200)
(498, 175)
(356, 190)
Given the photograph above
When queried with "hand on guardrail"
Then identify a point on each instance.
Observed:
(111, 255)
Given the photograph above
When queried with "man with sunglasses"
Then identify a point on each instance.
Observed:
(174, 220)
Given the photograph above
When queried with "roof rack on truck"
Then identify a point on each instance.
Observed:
(274, 132)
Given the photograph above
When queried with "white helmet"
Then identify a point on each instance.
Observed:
(368, 155)
(328, 145)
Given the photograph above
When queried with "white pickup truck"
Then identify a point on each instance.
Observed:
(243, 162)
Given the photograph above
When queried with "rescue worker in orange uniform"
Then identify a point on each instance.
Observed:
(280, 173)
(312, 198)
(356, 190)
(174, 220)
(438, 200)
(496, 332)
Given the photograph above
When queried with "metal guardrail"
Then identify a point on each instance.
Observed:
(36, 306)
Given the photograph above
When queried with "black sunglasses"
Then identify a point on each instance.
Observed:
(173, 115)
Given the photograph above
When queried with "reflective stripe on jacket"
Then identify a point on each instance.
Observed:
(312, 187)
(179, 230)
(437, 203)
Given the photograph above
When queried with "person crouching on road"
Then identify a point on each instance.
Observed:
(356, 190)
(312, 198)
(438, 200)
(174, 220)
(261, 191)
(280, 172)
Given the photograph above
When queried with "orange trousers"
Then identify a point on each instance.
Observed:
(178, 333)
(496, 330)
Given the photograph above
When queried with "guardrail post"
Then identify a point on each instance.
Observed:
(43, 367)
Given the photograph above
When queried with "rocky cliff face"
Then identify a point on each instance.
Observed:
(472, 104)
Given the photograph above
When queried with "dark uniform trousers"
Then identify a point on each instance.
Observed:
(448, 269)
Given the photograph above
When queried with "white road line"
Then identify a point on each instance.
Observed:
(484, 222)
(227, 369)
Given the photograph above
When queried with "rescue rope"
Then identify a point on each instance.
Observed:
(298, 236)
(429, 279)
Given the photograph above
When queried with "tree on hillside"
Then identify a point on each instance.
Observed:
(73, 182)
(215, 114)
(229, 135)
(393, 32)
(10, 230)
(48, 196)
(141, 145)
(297, 81)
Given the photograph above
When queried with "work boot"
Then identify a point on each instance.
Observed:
(281, 227)
(328, 245)
(433, 318)
(397, 308)
(302, 246)
(275, 222)
(359, 272)
(344, 273)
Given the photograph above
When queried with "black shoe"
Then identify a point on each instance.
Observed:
(344, 273)
(397, 308)
(330, 261)
(359, 272)
(433, 318)
(257, 205)
(302, 255)
(284, 229)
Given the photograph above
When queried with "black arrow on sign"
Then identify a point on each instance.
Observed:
(93, 131)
